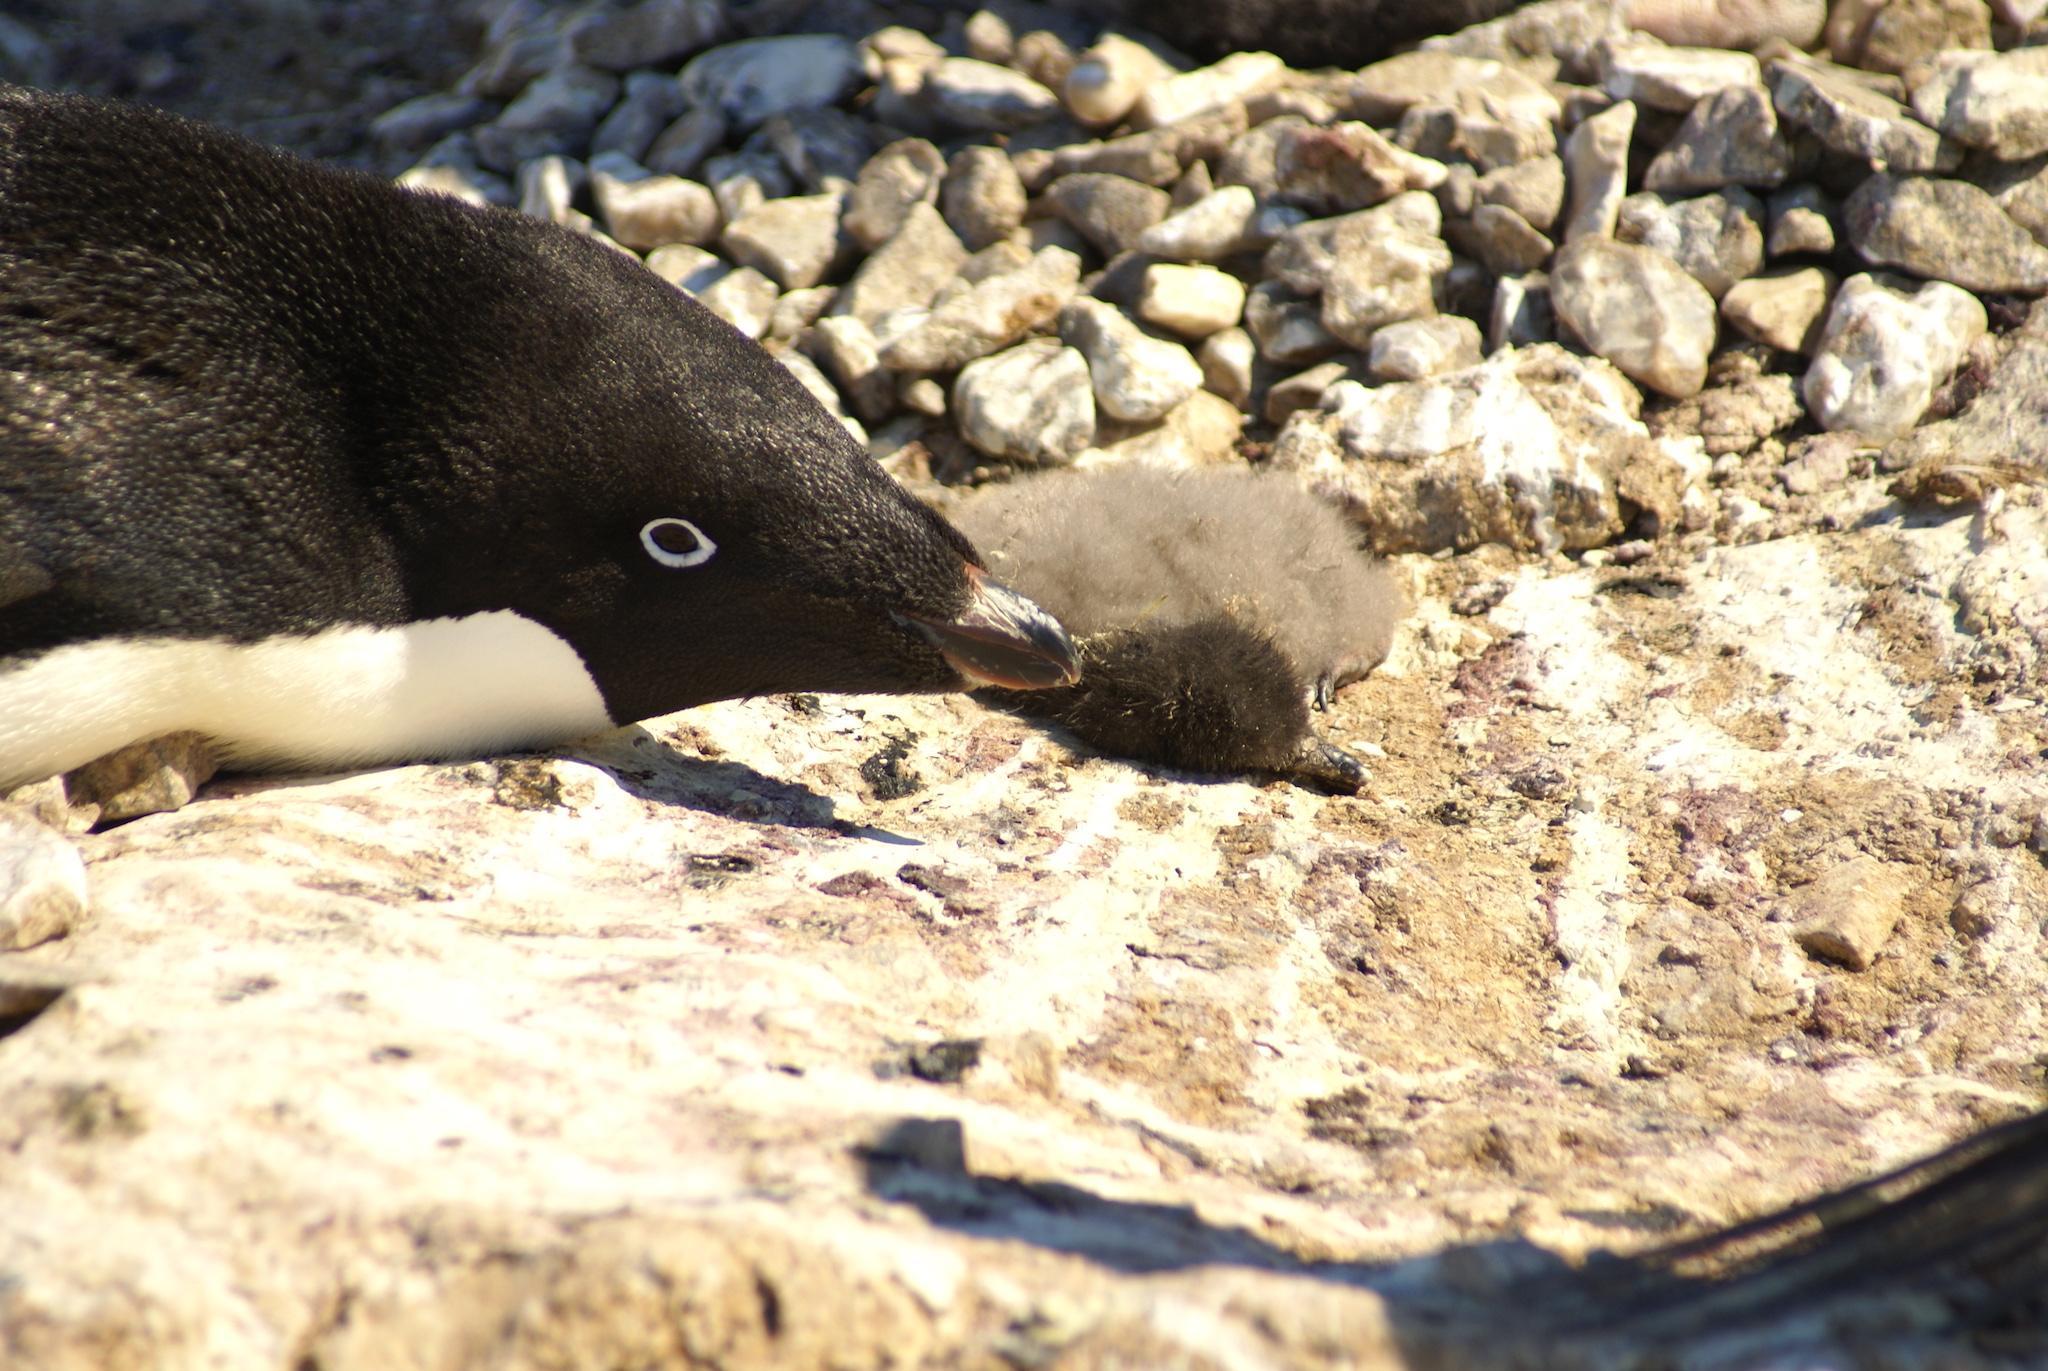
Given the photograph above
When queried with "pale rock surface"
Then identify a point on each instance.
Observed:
(1886, 346)
(1731, 138)
(1200, 431)
(845, 346)
(755, 79)
(1718, 238)
(645, 211)
(692, 268)
(1500, 240)
(1032, 403)
(822, 390)
(1109, 77)
(1945, 230)
(796, 240)
(1287, 327)
(1137, 378)
(1417, 349)
(1373, 267)
(982, 198)
(1638, 309)
(905, 173)
(1531, 448)
(983, 97)
(992, 314)
(1192, 301)
(1657, 76)
(1227, 359)
(1212, 228)
(1534, 189)
(1111, 212)
(907, 271)
(1853, 120)
(743, 298)
(1997, 101)
(1521, 313)
(1233, 78)
(1782, 309)
(1728, 23)
(1596, 167)
(42, 882)
(1336, 168)
(1847, 916)
(1802, 221)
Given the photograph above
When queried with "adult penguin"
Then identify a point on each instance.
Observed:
(338, 473)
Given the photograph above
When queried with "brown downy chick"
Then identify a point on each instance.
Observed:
(1212, 607)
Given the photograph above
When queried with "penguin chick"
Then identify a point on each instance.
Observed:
(335, 472)
(1133, 559)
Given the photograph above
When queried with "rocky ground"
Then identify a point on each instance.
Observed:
(1691, 377)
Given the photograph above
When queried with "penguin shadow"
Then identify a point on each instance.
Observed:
(1962, 1233)
(652, 769)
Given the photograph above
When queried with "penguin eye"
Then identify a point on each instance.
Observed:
(676, 542)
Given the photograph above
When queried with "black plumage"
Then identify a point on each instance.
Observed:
(245, 397)
(1212, 608)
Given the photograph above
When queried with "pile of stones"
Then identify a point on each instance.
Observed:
(1580, 275)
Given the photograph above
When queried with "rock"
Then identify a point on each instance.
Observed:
(42, 882)
(743, 298)
(746, 180)
(1387, 89)
(427, 118)
(982, 197)
(1718, 238)
(1729, 23)
(1596, 168)
(797, 310)
(1287, 327)
(1656, 76)
(1305, 389)
(2021, 190)
(681, 148)
(1109, 77)
(1781, 309)
(905, 271)
(755, 79)
(1521, 313)
(653, 33)
(906, 172)
(1235, 77)
(547, 189)
(1046, 57)
(649, 104)
(1850, 118)
(796, 240)
(981, 97)
(1731, 138)
(1944, 230)
(149, 777)
(1899, 35)
(1847, 916)
(1158, 157)
(556, 114)
(845, 347)
(1201, 431)
(1802, 221)
(993, 314)
(1191, 301)
(1638, 309)
(1219, 225)
(1501, 240)
(1373, 267)
(1137, 378)
(1886, 346)
(1417, 349)
(691, 268)
(1525, 449)
(649, 211)
(1997, 101)
(825, 149)
(1226, 358)
(1533, 189)
(1032, 403)
(1346, 166)
(1110, 211)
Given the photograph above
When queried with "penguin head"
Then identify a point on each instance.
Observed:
(702, 529)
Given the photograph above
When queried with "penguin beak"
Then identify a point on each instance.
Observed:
(1002, 639)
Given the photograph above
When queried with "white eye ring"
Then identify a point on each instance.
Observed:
(703, 552)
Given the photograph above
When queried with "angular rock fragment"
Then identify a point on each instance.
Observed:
(1032, 403)
(1782, 309)
(1638, 309)
(990, 315)
(1946, 231)
(1137, 378)
(1886, 345)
